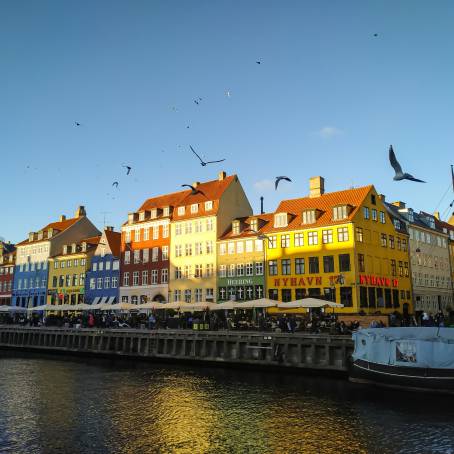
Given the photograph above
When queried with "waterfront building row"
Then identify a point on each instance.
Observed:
(206, 244)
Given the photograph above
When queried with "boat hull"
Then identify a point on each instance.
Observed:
(411, 378)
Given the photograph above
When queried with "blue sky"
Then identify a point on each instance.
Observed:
(327, 99)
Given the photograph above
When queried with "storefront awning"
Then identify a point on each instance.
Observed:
(96, 300)
(103, 300)
(111, 300)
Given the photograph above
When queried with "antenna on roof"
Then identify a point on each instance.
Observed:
(104, 217)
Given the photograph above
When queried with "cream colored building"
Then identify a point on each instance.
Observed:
(200, 218)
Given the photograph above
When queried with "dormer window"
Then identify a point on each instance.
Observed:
(397, 224)
(84, 246)
(65, 249)
(254, 225)
(74, 248)
(194, 208)
(340, 212)
(154, 213)
(281, 220)
(309, 217)
(130, 218)
(181, 211)
(209, 205)
(142, 216)
(432, 223)
(40, 235)
(236, 227)
(166, 211)
(30, 236)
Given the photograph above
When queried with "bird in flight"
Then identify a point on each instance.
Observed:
(193, 189)
(128, 169)
(197, 101)
(202, 162)
(115, 183)
(258, 62)
(278, 179)
(375, 34)
(400, 175)
(76, 123)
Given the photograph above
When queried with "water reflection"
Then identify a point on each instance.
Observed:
(54, 405)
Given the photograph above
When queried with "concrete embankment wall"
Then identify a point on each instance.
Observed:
(301, 351)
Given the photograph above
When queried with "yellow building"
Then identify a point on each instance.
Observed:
(199, 219)
(67, 272)
(342, 246)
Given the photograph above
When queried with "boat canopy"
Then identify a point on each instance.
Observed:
(429, 347)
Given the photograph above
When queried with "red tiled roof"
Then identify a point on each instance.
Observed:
(58, 226)
(114, 240)
(245, 224)
(91, 240)
(325, 204)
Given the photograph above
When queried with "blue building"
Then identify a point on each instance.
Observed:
(102, 281)
(32, 256)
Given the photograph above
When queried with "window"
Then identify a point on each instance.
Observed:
(198, 226)
(208, 205)
(240, 269)
(180, 211)
(116, 265)
(401, 268)
(114, 281)
(154, 277)
(259, 268)
(165, 252)
(137, 235)
(165, 231)
(177, 295)
(406, 273)
(272, 242)
(137, 256)
(231, 247)
(391, 241)
(99, 283)
(399, 244)
(126, 279)
(286, 295)
(359, 235)
(366, 212)
(327, 236)
(373, 199)
(397, 225)
(127, 257)
(382, 217)
(313, 265)
(236, 227)
(308, 217)
(344, 262)
(209, 247)
(198, 295)
(232, 270)
(92, 283)
(187, 271)
(258, 245)
(249, 246)
(209, 270)
(328, 264)
(299, 266)
(188, 228)
(94, 266)
(107, 282)
(145, 277)
(222, 248)
(346, 296)
(194, 208)
(210, 225)
(374, 214)
(146, 234)
(198, 270)
(156, 232)
(154, 254)
(272, 267)
(178, 250)
(285, 240)
(280, 220)
(145, 255)
(188, 249)
(340, 213)
(178, 228)
(222, 270)
(393, 267)
(57, 263)
(361, 263)
(249, 269)
(312, 238)
(298, 239)
(164, 276)
(178, 272)
(383, 239)
(135, 278)
(285, 266)
(342, 234)
(187, 296)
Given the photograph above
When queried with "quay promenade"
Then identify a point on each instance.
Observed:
(320, 352)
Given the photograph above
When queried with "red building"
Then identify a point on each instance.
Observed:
(7, 261)
(145, 250)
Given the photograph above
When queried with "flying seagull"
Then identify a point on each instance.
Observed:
(115, 183)
(76, 123)
(278, 179)
(202, 162)
(129, 168)
(400, 175)
(193, 189)
(258, 62)
(375, 34)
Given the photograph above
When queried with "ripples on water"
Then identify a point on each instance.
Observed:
(66, 406)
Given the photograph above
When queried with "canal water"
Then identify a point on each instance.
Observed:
(66, 405)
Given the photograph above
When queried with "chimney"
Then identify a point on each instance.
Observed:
(399, 204)
(261, 206)
(62, 218)
(382, 197)
(221, 176)
(109, 228)
(316, 186)
(80, 212)
(196, 183)
(437, 215)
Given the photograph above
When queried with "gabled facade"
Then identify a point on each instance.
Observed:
(103, 276)
(342, 246)
(7, 261)
(32, 256)
(67, 272)
(241, 260)
(199, 219)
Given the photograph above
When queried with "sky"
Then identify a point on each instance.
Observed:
(328, 98)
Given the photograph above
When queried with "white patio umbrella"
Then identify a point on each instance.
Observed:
(261, 302)
(45, 307)
(201, 306)
(228, 305)
(118, 307)
(311, 303)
